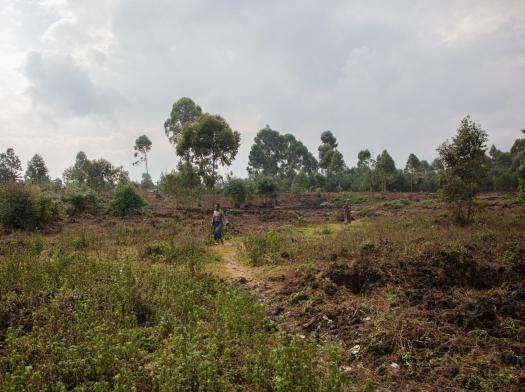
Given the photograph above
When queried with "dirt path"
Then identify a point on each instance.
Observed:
(229, 254)
(248, 278)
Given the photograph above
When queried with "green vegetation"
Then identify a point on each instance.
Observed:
(272, 247)
(76, 318)
(300, 184)
(36, 172)
(398, 297)
(97, 174)
(237, 190)
(185, 184)
(209, 143)
(10, 166)
(26, 207)
(518, 151)
(282, 156)
(126, 201)
(81, 200)
(142, 147)
(464, 168)
(267, 187)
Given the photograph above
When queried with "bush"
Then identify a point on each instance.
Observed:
(26, 207)
(126, 201)
(521, 192)
(49, 209)
(81, 200)
(184, 184)
(267, 187)
(237, 191)
(300, 184)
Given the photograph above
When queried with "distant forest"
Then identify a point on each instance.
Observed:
(278, 162)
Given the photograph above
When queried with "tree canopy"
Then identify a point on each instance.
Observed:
(36, 171)
(10, 166)
(330, 159)
(209, 142)
(183, 112)
(98, 174)
(385, 168)
(464, 163)
(327, 137)
(273, 154)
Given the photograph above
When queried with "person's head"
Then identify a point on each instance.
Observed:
(217, 206)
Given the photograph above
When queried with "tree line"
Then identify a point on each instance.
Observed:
(279, 162)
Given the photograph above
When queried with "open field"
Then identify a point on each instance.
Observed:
(295, 300)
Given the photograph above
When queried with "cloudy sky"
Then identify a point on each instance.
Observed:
(93, 75)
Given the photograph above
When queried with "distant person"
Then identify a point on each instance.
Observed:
(218, 223)
(347, 213)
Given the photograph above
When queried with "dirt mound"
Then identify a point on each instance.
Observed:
(358, 276)
(493, 312)
(449, 268)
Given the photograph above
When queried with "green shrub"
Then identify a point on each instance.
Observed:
(267, 187)
(300, 184)
(358, 199)
(155, 249)
(521, 192)
(49, 208)
(26, 207)
(81, 200)
(126, 201)
(237, 191)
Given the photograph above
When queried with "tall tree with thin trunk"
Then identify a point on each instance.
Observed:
(385, 168)
(413, 168)
(142, 147)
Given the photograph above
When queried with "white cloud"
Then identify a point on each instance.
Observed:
(59, 84)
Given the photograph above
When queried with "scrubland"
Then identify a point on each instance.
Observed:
(401, 299)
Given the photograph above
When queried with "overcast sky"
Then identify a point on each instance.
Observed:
(93, 75)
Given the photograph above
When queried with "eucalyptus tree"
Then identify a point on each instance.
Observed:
(208, 142)
(142, 147)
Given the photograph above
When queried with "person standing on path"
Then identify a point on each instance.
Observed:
(217, 222)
